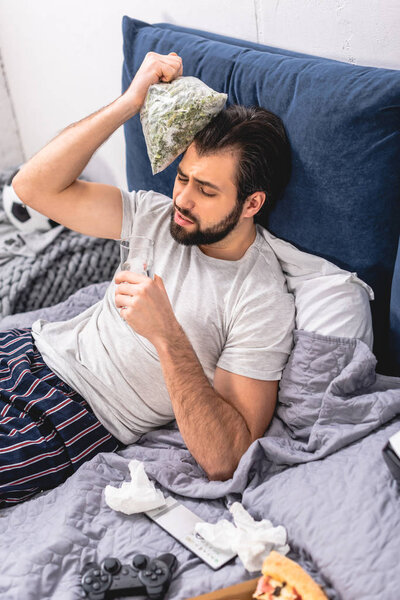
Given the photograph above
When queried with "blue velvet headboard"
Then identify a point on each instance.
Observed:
(343, 123)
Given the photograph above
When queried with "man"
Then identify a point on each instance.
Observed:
(207, 338)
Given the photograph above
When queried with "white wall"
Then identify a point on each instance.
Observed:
(10, 144)
(63, 58)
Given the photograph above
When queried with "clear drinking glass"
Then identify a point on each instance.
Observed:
(137, 255)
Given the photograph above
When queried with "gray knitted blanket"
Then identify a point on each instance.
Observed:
(41, 273)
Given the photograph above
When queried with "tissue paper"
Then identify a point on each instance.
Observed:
(251, 540)
(135, 496)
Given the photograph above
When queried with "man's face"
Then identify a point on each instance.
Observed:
(205, 208)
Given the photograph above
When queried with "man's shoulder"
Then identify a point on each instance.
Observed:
(145, 212)
(267, 271)
(148, 200)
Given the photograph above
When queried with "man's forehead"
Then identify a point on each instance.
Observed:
(216, 167)
(223, 153)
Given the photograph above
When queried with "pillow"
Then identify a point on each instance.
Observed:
(342, 120)
(395, 319)
(329, 301)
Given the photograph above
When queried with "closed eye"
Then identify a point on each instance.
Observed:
(201, 188)
(205, 193)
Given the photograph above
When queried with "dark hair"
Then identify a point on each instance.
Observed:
(264, 150)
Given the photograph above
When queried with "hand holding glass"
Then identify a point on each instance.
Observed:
(137, 255)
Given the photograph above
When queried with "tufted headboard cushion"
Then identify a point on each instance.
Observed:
(343, 122)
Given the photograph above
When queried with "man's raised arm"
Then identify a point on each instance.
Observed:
(48, 182)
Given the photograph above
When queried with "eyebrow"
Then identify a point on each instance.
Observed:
(212, 185)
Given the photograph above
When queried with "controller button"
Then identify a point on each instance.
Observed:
(140, 561)
(154, 577)
(147, 573)
(125, 571)
(96, 573)
(104, 578)
(159, 572)
(111, 565)
(157, 590)
(89, 566)
(88, 580)
(96, 585)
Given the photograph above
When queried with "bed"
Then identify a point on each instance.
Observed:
(319, 469)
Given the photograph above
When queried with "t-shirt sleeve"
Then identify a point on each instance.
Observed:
(132, 203)
(260, 336)
(139, 210)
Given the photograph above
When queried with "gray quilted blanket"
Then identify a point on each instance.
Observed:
(318, 471)
(41, 269)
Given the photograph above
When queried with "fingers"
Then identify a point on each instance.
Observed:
(124, 301)
(130, 277)
(159, 282)
(168, 73)
(169, 66)
(126, 292)
(173, 56)
(125, 289)
(180, 65)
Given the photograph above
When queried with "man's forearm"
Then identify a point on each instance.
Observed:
(214, 431)
(63, 159)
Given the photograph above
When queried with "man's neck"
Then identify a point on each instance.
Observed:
(234, 245)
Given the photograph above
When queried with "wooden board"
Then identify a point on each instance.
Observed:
(240, 591)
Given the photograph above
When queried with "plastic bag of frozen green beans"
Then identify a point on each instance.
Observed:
(173, 113)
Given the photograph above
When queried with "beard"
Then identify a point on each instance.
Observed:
(209, 235)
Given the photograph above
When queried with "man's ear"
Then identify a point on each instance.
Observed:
(253, 204)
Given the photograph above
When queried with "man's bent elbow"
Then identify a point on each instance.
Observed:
(220, 476)
(17, 186)
(225, 468)
(23, 189)
(221, 473)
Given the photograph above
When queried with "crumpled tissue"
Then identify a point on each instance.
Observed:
(135, 496)
(251, 540)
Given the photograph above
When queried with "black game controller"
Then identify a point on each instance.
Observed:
(143, 576)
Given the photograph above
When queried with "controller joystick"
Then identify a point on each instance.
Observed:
(145, 576)
(140, 561)
(111, 565)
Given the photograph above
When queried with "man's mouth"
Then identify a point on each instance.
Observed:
(180, 220)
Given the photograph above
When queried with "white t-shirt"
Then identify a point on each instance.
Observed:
(238, 315)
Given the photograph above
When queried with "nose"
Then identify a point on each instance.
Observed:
(184, 198)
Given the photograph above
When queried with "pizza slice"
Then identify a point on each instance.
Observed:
(284, 579)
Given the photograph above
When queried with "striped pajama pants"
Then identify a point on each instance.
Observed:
(47, 430)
